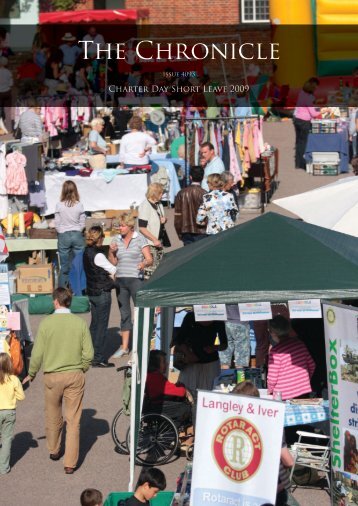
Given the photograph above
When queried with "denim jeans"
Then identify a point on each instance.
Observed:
(126, 290)
(100, 310)
(7, 423)
(69, 244)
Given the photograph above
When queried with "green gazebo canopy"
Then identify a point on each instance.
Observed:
(271, 258)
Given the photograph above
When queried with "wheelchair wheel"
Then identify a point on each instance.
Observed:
(189, 453)
(158, 440)
(119, 429)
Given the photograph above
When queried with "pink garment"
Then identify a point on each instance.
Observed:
(234, 164)
(16, 182)
(306, 113)
(55, 118)
(304, 109)
(255, 133)
(261, 137)
(212, 138)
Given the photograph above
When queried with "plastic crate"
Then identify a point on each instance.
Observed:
(228, 376)
(325, 169)
(162, 499)
(254, 374)
(325, 126)
(325, 157)
(250, 199)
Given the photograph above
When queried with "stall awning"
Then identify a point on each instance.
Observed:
(271, 258)
(93, 16)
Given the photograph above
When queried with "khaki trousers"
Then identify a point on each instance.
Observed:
(66, 387)
(97, 162)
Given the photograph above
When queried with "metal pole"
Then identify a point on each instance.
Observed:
(226, 83)
(186, 179)
(106, 84)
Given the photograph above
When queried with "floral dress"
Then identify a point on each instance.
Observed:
(219, 209)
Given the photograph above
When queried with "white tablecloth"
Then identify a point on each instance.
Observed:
(162, 161)
(96, 194)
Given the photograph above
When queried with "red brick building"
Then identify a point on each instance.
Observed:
(206, 21)
(194, 12)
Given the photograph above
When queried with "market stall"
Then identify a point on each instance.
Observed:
(238, 141)
(335, 142)
(160, 159)
(309, 263)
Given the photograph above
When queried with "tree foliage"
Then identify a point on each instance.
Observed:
(56, 5)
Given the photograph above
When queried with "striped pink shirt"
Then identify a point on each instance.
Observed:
(290, 369)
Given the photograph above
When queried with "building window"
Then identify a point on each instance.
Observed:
(108, 4)
(255, 11)
(115, 4)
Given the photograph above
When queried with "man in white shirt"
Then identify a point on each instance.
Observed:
(70, 51)
(96, 38)
(213, 164)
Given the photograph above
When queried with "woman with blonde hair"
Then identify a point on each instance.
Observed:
(135, 145)
(97, 145)
(69, 222)
(151, 222)
(100, 274)
(10, 392)
(129, 252)
(218, 207)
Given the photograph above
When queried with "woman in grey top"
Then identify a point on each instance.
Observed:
(130, 252)
(69, 221)
(30, 124)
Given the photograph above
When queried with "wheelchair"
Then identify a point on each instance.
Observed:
(159, 437)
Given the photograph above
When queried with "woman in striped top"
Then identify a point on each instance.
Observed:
(290, 366)
(129, 252)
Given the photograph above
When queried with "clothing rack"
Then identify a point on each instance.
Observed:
(218, 119)
(60, 98)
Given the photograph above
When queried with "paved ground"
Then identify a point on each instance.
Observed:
(35, 480)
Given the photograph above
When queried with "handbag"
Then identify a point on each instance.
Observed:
(163, 235)
(183, 356)
(17, 133)
(164, 238)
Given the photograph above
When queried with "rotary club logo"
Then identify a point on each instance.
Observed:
(237, 448)
(331, 317)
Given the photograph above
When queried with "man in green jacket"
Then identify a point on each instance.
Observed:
(63, 347)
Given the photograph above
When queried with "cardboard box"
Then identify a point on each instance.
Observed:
(114, 149)
(38, 233)
(38, 258)
(35, 279)
(115, 214)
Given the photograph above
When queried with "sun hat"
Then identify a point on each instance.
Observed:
(68, 37)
